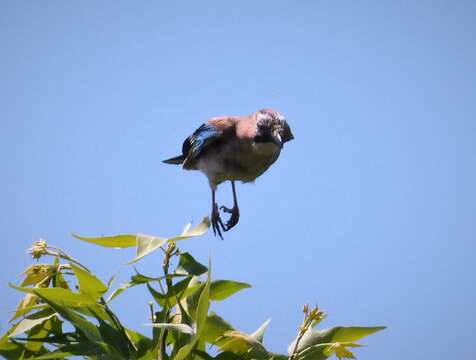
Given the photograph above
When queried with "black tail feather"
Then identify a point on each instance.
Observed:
(177, 160)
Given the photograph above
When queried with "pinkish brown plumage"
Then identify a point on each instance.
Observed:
(235, 148)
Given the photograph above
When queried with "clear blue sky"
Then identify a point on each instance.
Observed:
(370, 212)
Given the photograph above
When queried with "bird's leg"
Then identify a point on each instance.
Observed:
(235, 211)
(216, 220)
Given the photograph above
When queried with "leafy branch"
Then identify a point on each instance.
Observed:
(65, 312)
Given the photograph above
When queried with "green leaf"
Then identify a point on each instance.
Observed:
(340, 350)
(240, 344)
(222, 289)
(8, 349)
(27, 304)
(93, 311)
(86, 327)
(315, 352)
(114, 241)
(308, 346)
(222, 356)
(143, 344)
(37, 273)
(80, 349)
(259, 333)
(185, 350)
(203, 305)
(353, 333)
(59, 295)
(198, 230)
(189, 266)
(89, 284)
(174, 293)
(120, 290)
(115, 339)
(199, 319)
(147, 244)
(36, 335)
(215, 327)
(27, 324)
(228, 356)
(182, 328)
(137, 279)
(56, 355)
(275, 356)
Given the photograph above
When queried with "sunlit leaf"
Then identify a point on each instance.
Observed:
(189, 266)
(142, 279)
(309, 344)
(203, 305)
(199, 319)
(93, 310)
(353, 333)
(27, 324)
(119, 291)
(114, 241)
(36, 274)
(8, 349)
(189, 232)
(340, 350)
(89, 284)
(25, 306)
(222, 289)
(147, 244)
(37, 333)
(215, 326)
(59, 295)
(174, 292)
(259, 333)
(240, 343)
(143, 344)
(183, 328)
(137, 279)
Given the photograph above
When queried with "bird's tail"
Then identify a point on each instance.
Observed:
(177, 160)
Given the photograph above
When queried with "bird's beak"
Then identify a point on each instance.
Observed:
(277, 140)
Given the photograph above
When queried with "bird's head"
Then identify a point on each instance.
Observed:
(271, 126)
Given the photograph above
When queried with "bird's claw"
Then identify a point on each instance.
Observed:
(235, 216)
(217, 222)
(226, 209)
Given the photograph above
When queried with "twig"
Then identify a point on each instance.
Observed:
(310, 317)
(169, 252)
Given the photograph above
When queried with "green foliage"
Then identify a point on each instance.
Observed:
(65, 312)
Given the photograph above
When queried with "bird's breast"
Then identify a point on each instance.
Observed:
(238, 160)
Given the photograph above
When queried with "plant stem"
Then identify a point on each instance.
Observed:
(169, 252)
(60, 253)
(298, 339)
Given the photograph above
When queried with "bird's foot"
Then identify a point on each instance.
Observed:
(235, 216)
(217, 222)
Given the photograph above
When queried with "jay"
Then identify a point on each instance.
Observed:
(234, 148)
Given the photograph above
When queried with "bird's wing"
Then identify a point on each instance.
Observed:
(215, 129)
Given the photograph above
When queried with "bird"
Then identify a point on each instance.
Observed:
(234, 148)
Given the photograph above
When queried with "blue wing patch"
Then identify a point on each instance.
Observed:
(199, 140)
